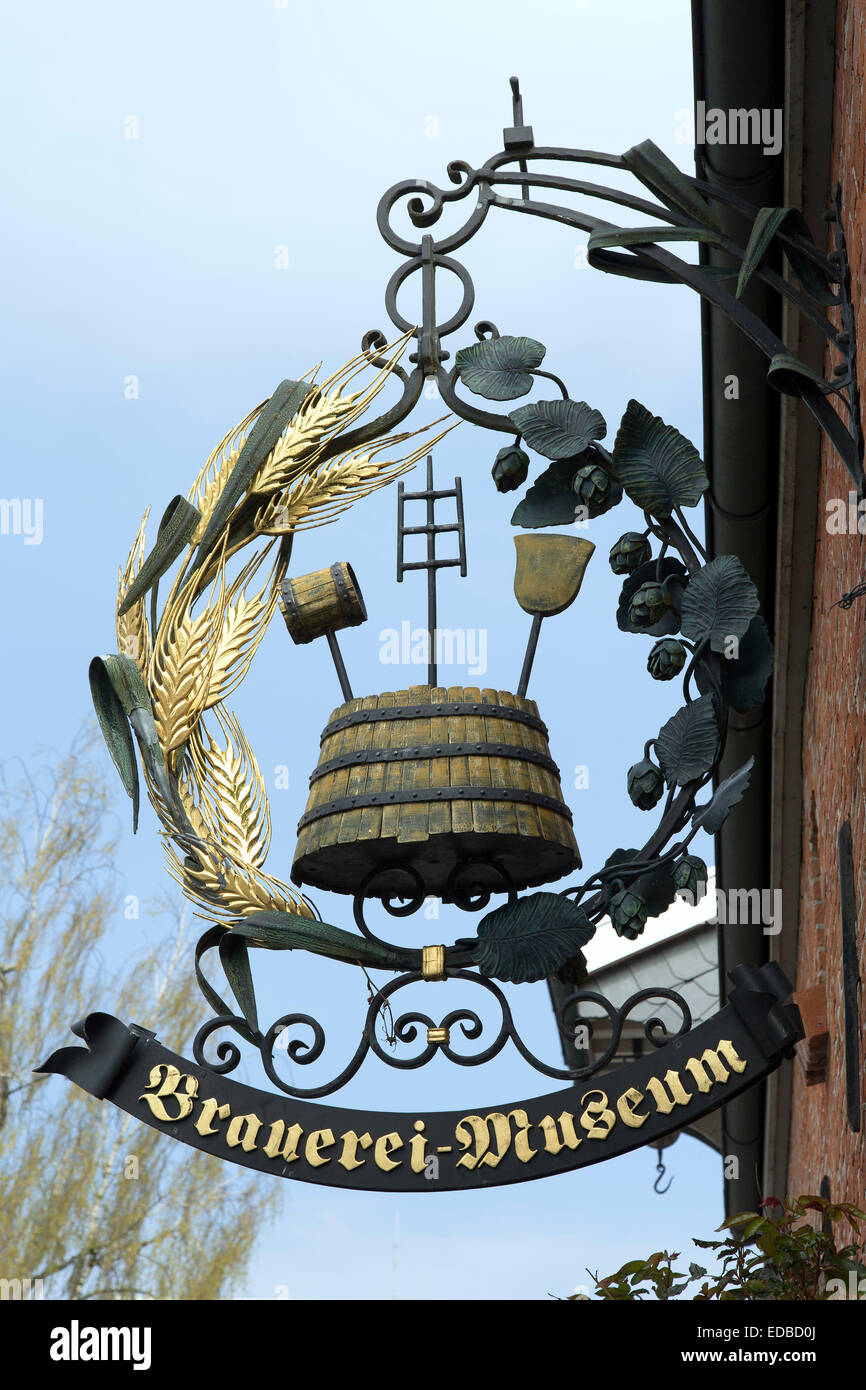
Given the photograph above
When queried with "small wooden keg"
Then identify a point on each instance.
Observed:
(325, 601)
(434, 777)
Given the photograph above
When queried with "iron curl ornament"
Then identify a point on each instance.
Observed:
(304, 456)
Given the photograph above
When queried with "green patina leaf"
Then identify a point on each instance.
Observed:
(712, 816)
(179, 520)
(797, 241)
(500, 368)
(559, 429)
(551, 500)
(788, 375)
(720, 602)
(674, 188)
(288, 931)
(121, 698)
(114, 724)
(531, 938)
(235, 959)
(744, 678)
(658, 467)
(602, 252)
(686, 745)
(764, 228)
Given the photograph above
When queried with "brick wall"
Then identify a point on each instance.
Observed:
(834, 733)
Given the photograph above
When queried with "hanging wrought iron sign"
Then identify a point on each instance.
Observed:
(450, 792)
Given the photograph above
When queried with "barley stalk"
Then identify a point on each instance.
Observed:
(133, 632)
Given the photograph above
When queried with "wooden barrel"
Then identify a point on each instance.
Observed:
(325, 601)
(433, 777)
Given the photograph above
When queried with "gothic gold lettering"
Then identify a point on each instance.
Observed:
(597, 1119)
(678, 1095)
(349, 1157)
(475, 1130)
(210, 1108)
(552, 1142)
(169, 1087)
(317, 1140)
(627, 1108)
(417, 1145)
(275, 1148)
(243, 1130)
(711, 1058)
(385, 1146)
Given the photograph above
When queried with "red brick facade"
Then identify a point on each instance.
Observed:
(834, 730)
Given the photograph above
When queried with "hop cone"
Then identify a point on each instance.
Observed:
(629, 552)
(667, 659)
(595, 489)
(645, 784)
(649, 604)
(690, 877)
(628, 914)
(510, 468)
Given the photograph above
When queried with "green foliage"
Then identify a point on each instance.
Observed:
(720, 603)
(687, 743)
(713, 814)
(768, 1255)
(551, 500)
(658, 467)
(121, 700)
(500, 368)
(764, 228)
(529, 939)
(744, 679)
(559, 429)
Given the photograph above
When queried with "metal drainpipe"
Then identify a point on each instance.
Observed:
(739, 54)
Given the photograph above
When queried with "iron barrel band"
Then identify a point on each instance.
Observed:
(389, 712)
(421, 794)
(435, 750)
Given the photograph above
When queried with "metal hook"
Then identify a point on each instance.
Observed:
(660, 1169)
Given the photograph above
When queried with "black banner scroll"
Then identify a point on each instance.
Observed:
(585, 1123)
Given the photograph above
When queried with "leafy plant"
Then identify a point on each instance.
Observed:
(529, 939)
(771, 1255)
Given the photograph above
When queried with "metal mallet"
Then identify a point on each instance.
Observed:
(321, 604)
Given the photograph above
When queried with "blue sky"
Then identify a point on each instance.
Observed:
(263, 126)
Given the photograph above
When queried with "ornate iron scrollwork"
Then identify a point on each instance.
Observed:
(683, 212)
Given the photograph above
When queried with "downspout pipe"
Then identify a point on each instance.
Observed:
(739, 62)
